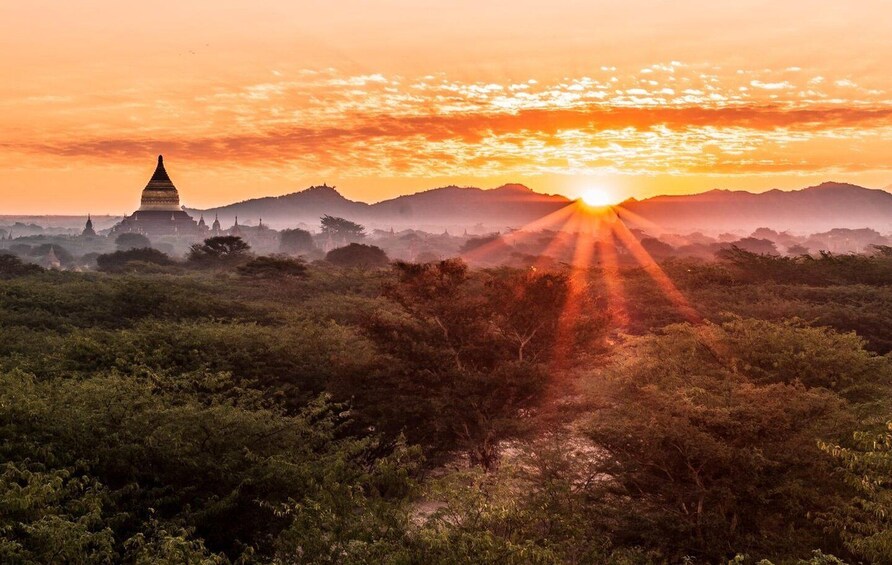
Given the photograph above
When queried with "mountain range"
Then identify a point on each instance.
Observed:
(816, 208)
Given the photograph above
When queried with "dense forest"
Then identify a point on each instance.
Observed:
(235, 408)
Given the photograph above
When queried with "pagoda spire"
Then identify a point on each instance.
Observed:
(160, 193)
(88, 227)
(160, 173)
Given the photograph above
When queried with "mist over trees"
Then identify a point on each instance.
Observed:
(278, 398)
(295, 241)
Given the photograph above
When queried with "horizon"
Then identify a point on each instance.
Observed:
(256, 99)
(577, 198)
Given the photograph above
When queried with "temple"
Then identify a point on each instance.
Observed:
(159, 213)
(88, 228)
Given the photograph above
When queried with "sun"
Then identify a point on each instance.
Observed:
(597, 197)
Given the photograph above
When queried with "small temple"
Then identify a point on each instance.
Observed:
(88, 228)
(159, 213)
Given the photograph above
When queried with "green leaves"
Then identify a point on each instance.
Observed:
(215, 468)
(865, 522)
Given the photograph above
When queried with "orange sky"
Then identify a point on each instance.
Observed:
(383, 98)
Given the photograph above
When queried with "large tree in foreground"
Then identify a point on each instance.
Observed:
(865, 520)
(459, 370)
(709, 435)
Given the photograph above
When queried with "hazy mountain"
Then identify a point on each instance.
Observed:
(509, 205)
(304, 206)
(817, 208)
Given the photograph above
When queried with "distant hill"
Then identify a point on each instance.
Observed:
(817, 208)
(510, 205)
(304, 206)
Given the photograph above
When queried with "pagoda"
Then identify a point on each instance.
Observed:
(159, 213)
(88, 228)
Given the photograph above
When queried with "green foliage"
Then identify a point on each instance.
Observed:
(12, 266)
(712, 442)
(865, 521)
(273, 267)
(219, 468)
(224, 250)
(453, 381)
(132, 259)
(358, 255)
(52, 516)
(219, 415)
(291, 364)
(827, 268)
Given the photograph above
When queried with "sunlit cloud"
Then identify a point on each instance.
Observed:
(666, 119)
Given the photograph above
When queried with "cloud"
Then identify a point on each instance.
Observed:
(374, 124)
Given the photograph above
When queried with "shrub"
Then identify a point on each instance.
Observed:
(358, 255)
(12, 266)
(131, 259)
(273, 267)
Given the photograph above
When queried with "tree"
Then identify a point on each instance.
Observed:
(341, 231)
(111, 466)
(274, 267)
(865, 520)
(756, 245)
(493, 242)
(449, 379)
(131, 259)
(52, 516)
(711, 449)
(12, 266)
(656, 248)
(132, 241)
(526, 310)
(797, 250)
(295, 241)
(358, 255)
(63, 255)
(220, 250)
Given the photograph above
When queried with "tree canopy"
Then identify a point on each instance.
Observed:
(358, 255)
(341, 230)
(218, 251)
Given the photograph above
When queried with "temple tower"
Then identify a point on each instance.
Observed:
(159, 213)
(88, 228)
(160, 194)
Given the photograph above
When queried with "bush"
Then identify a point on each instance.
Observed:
(225, 250)
(358, 255)
(63, 255)
(274, 267)
(709, 437)
(132, 260)
(12, 266)
(295, 241)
